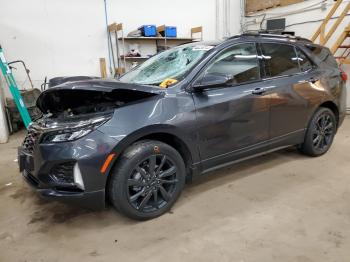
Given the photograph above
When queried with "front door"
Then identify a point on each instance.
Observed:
(232, 119)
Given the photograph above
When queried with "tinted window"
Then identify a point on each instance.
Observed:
(304, 62)
(279, 59)
(324, 54)
(239, 62)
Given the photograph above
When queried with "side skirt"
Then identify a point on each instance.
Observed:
(275, 144)
(243, 159)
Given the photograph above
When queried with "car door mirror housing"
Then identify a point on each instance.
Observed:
(212, 80)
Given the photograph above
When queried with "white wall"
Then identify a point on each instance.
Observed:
(4, 134)
(53, 37)
(57, 38)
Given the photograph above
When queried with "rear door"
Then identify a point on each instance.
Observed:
(290, 77)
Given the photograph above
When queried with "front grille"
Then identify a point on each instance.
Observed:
(30, 140)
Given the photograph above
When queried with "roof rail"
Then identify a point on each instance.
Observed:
(258, 34)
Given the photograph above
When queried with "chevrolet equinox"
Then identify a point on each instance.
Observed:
(182, 113)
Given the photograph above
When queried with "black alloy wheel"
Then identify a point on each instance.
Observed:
(152, 183)
(146, 180)
(320, 133)
(323, 131)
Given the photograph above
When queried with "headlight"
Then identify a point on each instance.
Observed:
(64, 135)
(73, 133)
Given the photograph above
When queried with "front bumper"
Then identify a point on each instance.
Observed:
(91, 200)
(89, 153)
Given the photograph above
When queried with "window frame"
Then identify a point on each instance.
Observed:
(220, 52)
(313, 64)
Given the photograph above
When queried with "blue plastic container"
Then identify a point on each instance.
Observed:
(170, 31)
(148, 30)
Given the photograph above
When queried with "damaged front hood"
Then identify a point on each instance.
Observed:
(92, 96)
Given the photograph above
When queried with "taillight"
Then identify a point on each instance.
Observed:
(343, 75)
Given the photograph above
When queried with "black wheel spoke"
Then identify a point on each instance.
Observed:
(173, 181)
(322, 121)
(137, 195)
(144, 201)
(328, 133)
(166, 196)
(327, 120)
(152, 164)
(135, 182)
(168, 172)
(321, 144)
(318, 126)
(316, 139)
(155, 198)
(329, 126)
(318, 144)
(161, 164)
(325, 141)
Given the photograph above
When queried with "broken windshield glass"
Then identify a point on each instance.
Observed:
(173, 63)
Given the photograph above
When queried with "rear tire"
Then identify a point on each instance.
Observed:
(320, 133)
(147, 180)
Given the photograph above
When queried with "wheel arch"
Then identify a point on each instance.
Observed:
(167, 134)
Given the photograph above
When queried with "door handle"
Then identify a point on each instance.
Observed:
(259, 91)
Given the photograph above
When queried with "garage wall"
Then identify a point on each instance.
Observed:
(65, 37)
(53, 37)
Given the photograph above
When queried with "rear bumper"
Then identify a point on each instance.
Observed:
(91, 200)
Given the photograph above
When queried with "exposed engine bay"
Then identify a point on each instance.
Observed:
(72, 103)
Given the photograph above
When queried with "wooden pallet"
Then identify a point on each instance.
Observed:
(253, 6)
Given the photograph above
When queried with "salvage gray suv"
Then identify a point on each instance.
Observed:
(194, 108)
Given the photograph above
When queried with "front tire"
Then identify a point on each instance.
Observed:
(147, 180)
(320, 133)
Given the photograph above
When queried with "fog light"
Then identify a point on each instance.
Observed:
(62, 174)
(78, 179)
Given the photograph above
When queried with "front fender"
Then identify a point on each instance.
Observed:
(158, 129)
(170, 114)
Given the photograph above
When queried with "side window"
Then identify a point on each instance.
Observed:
(304, 62)
(324, 54)
(239, 62)
(279, 59)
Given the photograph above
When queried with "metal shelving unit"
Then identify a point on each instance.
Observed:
(119, 43)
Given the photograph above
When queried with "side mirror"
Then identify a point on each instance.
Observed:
(212, 80)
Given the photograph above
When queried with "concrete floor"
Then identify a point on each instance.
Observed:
(279, 207)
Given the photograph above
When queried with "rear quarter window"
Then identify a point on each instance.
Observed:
(323, 54)
(305, 63)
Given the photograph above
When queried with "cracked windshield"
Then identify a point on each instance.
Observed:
(172, 64)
